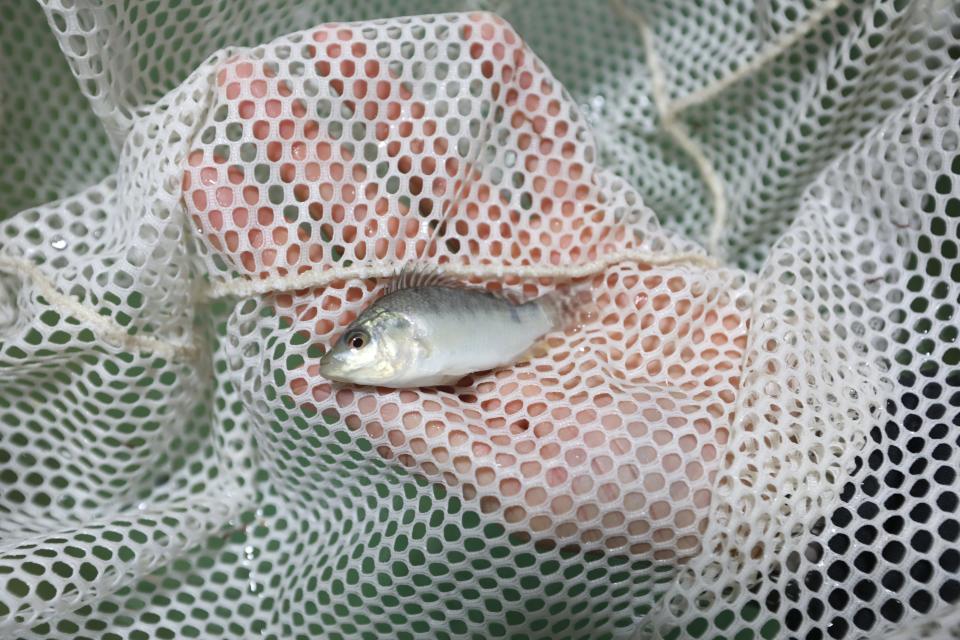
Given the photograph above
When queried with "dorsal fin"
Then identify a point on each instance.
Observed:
(422, 274)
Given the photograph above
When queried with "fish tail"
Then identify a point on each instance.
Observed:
(566, 307)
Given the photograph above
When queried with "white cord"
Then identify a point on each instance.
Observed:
(669, 110)
(763, 58)
(317, 277)
(675, 128)
(111, 331)
(103, 326)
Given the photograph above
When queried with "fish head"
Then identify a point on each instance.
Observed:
(377, 349)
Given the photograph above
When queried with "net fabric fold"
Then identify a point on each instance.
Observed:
(174, 465)
(114, 463)
(846, 573)
(545, 447)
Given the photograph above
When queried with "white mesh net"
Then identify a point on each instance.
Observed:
(753, 435)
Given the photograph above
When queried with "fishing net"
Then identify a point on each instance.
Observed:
(752, 432)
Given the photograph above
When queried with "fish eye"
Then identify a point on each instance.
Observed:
(356, 340)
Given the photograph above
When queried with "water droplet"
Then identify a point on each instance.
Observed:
(58, 243)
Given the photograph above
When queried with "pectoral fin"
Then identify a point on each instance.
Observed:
(567, 308)
(538, 349)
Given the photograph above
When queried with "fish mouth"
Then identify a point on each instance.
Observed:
(328, 367)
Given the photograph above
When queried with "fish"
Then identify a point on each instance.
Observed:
(431, 330)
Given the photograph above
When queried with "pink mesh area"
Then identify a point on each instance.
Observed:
(342, 154)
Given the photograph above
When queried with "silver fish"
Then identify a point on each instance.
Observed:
(430, 330)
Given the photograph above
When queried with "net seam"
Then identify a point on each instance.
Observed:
(315, 278)
(106, 327)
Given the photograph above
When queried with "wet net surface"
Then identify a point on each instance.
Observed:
(762, 449)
